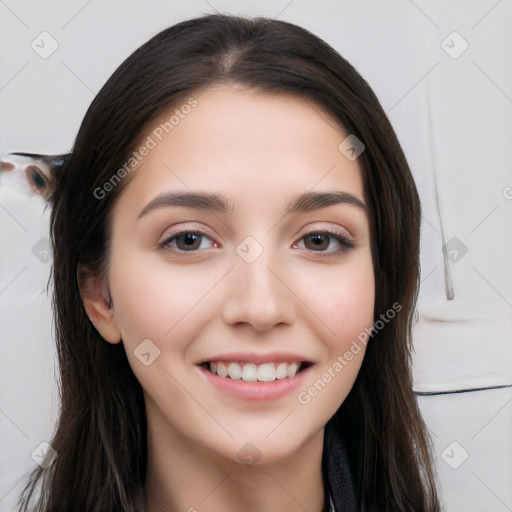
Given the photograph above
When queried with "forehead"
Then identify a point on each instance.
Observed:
(248, 142)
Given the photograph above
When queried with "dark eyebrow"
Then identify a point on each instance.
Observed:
(309, 201)
(302, 203)
(199, 200)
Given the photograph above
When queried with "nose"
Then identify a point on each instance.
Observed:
(259, 295)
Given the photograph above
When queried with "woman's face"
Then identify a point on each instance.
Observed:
(249, 277)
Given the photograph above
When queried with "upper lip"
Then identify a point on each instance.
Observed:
(257, 358)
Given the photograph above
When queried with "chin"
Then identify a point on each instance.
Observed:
(261, 451)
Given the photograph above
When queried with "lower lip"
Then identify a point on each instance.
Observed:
(255, 391)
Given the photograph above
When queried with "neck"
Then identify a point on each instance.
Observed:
(182, 477)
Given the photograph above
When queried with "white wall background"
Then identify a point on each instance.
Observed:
(452, 109)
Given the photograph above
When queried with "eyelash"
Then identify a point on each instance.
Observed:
(345, 243)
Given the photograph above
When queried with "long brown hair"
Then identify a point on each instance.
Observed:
(100, 435)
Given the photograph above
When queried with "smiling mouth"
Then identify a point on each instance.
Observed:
(250, 372)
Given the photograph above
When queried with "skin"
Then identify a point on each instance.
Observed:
(259, 150)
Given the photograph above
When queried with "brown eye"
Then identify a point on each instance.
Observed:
(327, 243)
(188, 241)
(319, 241)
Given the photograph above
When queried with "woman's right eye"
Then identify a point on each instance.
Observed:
(185, 241)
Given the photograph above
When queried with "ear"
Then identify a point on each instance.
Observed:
(96, 299)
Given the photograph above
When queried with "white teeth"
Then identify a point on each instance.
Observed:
(250, 372)
(292, 370)
(222, 370)
(281, 371)
(266, 372)
(234, 371)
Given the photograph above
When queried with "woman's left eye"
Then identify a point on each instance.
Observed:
(320, 241)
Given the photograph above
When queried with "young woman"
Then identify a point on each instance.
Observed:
(236, 264)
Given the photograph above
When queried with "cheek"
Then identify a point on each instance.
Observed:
(152, 300)
(140, 303)
(346, 307)
(352, 307)
(344, 300)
